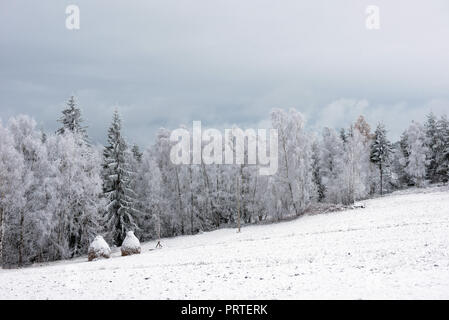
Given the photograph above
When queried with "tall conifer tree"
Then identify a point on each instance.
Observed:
(117, 185)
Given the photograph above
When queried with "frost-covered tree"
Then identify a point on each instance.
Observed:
(295, 175)
(355, 167)
(364, 128)
(222, 198)
(120, 216)
(380, 152)
(245, 179)
(71, 120)
(173, 203)
(148, 196)
(11, 191)
(331, 166)
(345, 165)
(30, 225)
(52, 214)
(77, 202)
(417, 151)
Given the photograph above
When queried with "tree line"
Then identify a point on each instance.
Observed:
(58, 191)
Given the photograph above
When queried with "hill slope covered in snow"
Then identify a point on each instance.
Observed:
(397, 247)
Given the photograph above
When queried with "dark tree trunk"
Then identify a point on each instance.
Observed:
(21, 246)
(381, 180)
(1, 237)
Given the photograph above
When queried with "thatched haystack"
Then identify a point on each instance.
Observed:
(98, 249)
(130, 245)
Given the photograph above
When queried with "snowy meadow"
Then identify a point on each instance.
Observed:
(394, 248)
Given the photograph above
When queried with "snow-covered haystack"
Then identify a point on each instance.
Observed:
(98, 249)
(130, 245)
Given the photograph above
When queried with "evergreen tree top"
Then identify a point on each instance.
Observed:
(381, 147)
(114, 131)
(71, 119)
(431, 119)
(136, 152)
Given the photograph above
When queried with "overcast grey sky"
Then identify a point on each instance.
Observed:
(224, 62)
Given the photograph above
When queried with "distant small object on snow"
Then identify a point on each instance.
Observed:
(130, 245)
(98, 249)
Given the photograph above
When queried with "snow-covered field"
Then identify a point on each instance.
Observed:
(397, 247)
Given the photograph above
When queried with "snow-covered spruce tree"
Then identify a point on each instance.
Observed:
(443, 147)
(120, 215)
(317, 179)
(71, 120)
(380, 152)
(134, 157)
(137, 155)
(401, 159)
(432, 144)
(343, 135)
(417, 151)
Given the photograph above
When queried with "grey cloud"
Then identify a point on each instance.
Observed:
(164, 63)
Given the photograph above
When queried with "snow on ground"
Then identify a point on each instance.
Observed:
(397, 247)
